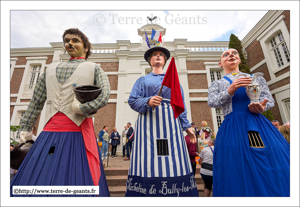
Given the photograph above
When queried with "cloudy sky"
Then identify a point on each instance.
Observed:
(38, 28)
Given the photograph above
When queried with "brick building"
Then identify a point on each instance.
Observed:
(123, 62)
(267, 49)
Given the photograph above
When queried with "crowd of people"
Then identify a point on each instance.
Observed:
(162, 161)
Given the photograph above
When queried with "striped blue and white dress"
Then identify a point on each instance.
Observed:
(160, 163)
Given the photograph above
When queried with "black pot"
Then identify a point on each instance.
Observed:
(86, 93)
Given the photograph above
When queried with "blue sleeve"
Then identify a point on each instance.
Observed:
(137, 100)
(265, 93)
(101, 135)
(183, 116)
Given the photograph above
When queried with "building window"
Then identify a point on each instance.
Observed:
(220, 117)
(35, 73)
(286, 104)
(280, 50)
(21, 118)
(215, 75)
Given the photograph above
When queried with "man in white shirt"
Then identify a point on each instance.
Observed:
(206, 162)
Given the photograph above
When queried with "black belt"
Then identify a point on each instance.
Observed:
(207, 166)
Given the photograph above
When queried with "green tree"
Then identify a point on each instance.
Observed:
(235, 43)
(268, 114)
(14, 129)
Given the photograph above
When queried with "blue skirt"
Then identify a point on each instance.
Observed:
(240, 170)
(67, 166)
(151, 173)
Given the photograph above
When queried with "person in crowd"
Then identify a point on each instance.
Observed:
(12, 171)
(115, 137)
(285, 131)
(124, 139)
(66, 152)
(206, 130)
(130, 139)
(275, 123)
(287, 124)
(206, 162)
(159, 160)
(197, 131)
(247, 146)
(104, 138)
(193, 151)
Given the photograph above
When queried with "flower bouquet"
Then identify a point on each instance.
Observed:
(207, 130)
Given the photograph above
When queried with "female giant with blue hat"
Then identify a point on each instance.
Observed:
(159, 163)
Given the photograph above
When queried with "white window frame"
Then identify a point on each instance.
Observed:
(35, 75)
(265, 38)
(21, 116)
(219, 115)
(286, 104)
(282, 94)
(15, 119)
(217, 75)
(276, 47)
(213, 67)
(31, 61)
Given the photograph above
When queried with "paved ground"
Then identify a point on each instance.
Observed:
(116, 162)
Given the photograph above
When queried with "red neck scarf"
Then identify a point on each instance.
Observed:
(72, 58)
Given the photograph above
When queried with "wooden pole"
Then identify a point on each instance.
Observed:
(159, 92)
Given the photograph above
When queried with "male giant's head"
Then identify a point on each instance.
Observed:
(76, 43)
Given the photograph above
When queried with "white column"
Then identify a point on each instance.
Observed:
(120, 107)
(12, 67)
(182, 73)
(208, 67)
(58, 50)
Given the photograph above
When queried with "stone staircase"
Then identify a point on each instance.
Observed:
(117, 177)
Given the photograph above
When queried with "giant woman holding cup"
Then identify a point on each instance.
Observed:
(251, 157)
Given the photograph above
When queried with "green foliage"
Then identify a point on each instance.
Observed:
(268, 114)
(14, 129)
(12, 141)
(235, 43)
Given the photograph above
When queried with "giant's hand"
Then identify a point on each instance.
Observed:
(25, 136)
(258, 107)
(154, 101)
(75, 106)
(237, 83)
(191, 134)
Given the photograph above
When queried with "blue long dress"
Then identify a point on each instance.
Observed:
(68, 166)
(151, 173)
(241, 170)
